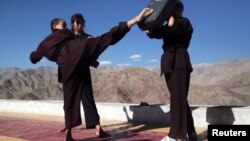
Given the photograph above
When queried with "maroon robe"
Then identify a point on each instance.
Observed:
(176, 66)
(74, 57)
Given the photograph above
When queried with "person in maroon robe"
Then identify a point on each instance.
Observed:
(73, 57)
(176, 67)
(77, 27)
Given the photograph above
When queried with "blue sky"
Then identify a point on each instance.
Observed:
(221, 30)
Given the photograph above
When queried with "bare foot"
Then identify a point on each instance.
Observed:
(100, 133)
(62, 130)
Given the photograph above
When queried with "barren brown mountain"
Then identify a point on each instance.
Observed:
(130, 85)
(225, 83)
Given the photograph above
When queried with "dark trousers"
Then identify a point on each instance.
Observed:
(182, 123)
(90, 111)
(79, 88)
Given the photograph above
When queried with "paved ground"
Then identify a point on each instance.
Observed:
(19, 127)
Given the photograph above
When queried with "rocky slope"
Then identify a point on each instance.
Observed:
(225, 83)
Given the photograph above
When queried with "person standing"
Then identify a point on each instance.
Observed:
(73, 57)
(90, 111)
(176, 67)
(77, 27)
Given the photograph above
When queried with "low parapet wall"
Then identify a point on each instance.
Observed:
(154, 114)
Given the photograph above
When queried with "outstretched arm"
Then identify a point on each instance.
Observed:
(99, 44)
(144, 13)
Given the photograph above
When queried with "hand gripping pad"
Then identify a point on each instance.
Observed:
(162, 10)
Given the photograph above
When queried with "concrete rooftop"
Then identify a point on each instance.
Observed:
(41, 120)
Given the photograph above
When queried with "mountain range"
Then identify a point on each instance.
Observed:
(223, 83)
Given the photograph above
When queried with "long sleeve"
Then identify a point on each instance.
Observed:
(175, 44)
(180, 32)
(99, 44)
(158, 33)
(180, 28)
(48, 46)
(85, 35)
(35, 57)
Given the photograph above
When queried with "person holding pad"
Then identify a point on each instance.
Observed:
(176, 67)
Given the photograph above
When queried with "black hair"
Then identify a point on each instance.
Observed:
(78, 18)
(178, 9)
(179, 5)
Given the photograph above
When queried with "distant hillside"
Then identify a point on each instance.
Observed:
(217, 73)
(131, 85)
(234, 75)
(225, 83)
